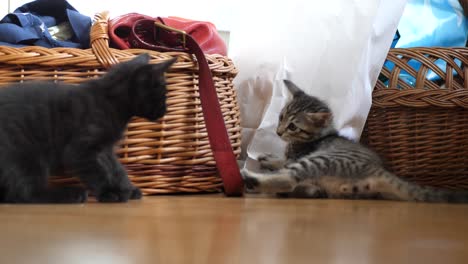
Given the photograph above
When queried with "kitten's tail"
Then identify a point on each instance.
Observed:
(392, 187)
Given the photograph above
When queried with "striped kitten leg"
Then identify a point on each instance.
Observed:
(301, 174)
(390, 187)
(281, 181)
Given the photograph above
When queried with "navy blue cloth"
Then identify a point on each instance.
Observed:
(28, 25)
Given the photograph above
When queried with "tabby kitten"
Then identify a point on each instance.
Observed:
(320, 163)
(49, 128)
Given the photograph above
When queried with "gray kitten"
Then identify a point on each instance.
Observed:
(49, 128)
(320, 163)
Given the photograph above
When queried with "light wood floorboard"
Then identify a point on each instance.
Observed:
(214, 229)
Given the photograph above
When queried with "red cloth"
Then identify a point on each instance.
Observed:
(204, 33)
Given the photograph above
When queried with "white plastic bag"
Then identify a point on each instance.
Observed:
(333, 49)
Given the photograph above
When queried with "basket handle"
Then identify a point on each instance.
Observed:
(100, 40)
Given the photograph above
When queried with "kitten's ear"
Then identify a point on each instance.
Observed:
(293, 88)
(148, 75)
(140, 59)
(119, 71)
(321, 119)
(164, 66)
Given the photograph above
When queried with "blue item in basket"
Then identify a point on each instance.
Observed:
(395, 39)
(46, 23)
(431, 23)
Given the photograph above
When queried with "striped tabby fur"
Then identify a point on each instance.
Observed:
(320, 163)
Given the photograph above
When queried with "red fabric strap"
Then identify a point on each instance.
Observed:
(217, 133)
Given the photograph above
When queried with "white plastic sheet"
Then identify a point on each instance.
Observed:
(333, 49)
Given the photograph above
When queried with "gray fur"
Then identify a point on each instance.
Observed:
(320, 163)
(49, 128)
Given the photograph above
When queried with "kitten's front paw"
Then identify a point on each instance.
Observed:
(110, 195)
(270, 161)
(136, 194)
(251, 183)
(82, 196)
(73, 195)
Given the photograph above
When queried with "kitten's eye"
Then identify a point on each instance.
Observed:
(292, 127)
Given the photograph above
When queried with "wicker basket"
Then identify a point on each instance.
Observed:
(422, 129)
(170, 156)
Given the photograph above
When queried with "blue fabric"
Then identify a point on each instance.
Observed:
(28, 25)
(430, 23)
(395, 39)
(433, 23)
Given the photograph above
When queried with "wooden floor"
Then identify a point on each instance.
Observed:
(214, 229)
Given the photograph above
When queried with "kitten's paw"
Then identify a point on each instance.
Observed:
(304, 191)
(360, 190)
(251, 183)
(114, 195)
(356, 191)
(266, 156)
(82, 196)
(283, 195)
(136, 194)
(270, 161)
(309, 191)
(73, 195)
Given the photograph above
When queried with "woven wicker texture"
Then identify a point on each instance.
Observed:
(172, 155)
(422, 130)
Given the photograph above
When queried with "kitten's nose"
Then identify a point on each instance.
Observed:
(279, 133)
